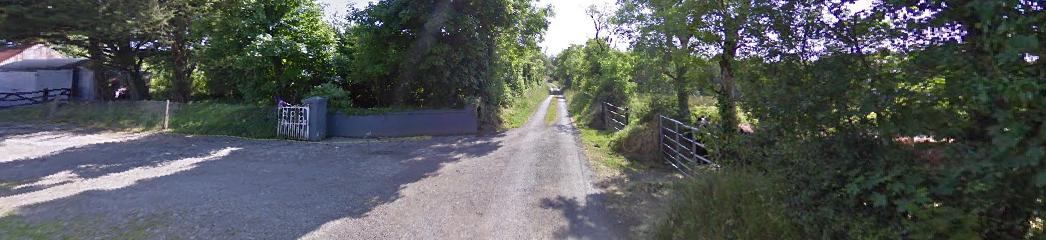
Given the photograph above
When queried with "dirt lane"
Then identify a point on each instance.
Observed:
(527, 183)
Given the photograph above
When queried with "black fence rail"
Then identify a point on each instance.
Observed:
(614, 117)
(15, 99)
(679, 145)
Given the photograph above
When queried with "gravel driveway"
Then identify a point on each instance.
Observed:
(527, 183)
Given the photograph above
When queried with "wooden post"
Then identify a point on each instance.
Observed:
(46, 94)
(661, 136)
(167, 115)
(603, 109)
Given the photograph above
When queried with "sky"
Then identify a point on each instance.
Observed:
(569, 26)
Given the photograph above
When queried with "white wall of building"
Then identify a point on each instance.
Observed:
(54, 79)
(17, 81)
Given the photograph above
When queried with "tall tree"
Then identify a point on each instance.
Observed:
(260, 49)
(118, 34)
(182, 39)
(437, 53)
(725, 27)
(668, 28)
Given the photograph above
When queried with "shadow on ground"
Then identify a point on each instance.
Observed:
(222, 187)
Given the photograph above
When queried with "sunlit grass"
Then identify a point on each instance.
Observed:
(552, 113)
(17, 227)
(201, 118)
(597, 143)
(520, 110)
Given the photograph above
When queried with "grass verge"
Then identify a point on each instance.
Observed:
(225, 119)
(204, 118)
(726, 204)
(552, 113)
(598, 144)
(17, 227)
(520, 110)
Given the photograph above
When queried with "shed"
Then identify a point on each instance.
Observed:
(39, 74)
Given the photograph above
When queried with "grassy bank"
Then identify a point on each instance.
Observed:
(726, 204)
(203, 118)
(520, 110)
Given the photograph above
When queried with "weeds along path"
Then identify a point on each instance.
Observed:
(528, 183)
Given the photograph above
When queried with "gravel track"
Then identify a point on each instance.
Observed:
(528, 183)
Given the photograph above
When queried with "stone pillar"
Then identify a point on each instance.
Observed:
(317, 118)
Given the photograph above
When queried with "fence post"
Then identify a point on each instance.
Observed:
(46, 94)
(628, 115)
(603, 110)
(661, 136)
(167, 115)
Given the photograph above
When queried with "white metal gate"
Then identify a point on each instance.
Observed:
(293, 121)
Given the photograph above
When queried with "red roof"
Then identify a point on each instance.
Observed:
(8, 53)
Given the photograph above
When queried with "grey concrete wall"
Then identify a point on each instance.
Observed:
(317, 118)
(405, 124)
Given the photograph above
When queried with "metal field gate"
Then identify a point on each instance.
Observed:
(293, 121)
(679, 145)
(614, 117)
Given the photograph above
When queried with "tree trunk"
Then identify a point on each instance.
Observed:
(136, 87)
(682, 95)
(101, 75)
(727, 106)
(181, 79)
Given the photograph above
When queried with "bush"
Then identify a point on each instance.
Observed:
(727, 204)
(338, 98)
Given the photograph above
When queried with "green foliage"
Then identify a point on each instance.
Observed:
(337, 98)
(260, 49)
(727, 204)
(436, 54)
(602, 74)
(838, 126)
